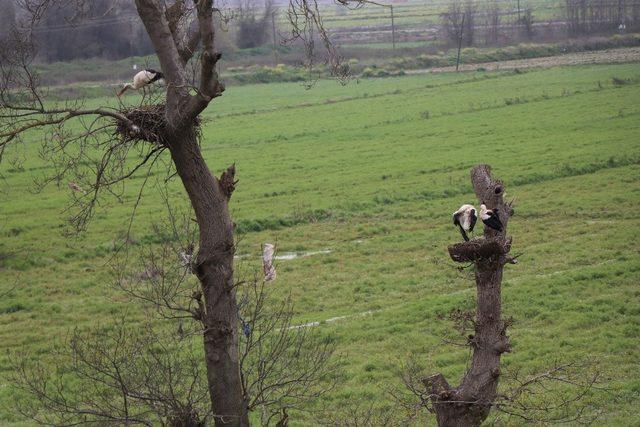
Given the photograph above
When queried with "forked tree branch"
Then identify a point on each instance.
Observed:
(210, 85)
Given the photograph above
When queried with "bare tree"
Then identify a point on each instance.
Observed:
(458, 22)
(470, 402)
(79, 30)
(470, 11)
(284, 366)
(452, 22)
(98, 149)
(173, 128)
(527, 24)
(493, 23)
(152, 374)
(121, 374)
(524, 396)
(253, 30)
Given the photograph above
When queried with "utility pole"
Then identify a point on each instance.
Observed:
(393, 30)
(519, 12)
(273, 30)
(460, 41)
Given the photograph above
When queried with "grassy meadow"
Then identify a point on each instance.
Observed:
(370, 173)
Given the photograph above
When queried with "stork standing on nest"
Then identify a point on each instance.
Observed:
(141, 80)
(465, 218)
(490, 217)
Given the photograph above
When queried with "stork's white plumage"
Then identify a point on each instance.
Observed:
(465, 218)
(142, 79)
(490, 217)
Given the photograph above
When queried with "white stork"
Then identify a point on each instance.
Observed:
(142, 79)
(490, 217)
(465, 218)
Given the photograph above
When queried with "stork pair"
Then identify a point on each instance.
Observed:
(465, 218)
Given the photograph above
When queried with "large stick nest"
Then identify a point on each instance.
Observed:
(479, 249)
(150, 122)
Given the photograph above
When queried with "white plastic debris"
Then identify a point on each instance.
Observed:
(185, 259)
(186, 256)
(268, 268)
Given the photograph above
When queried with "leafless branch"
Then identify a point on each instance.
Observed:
(282, 367)
(124, 374)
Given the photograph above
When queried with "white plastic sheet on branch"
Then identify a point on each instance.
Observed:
(268, 268)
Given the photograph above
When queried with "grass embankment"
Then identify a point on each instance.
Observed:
(372, 172)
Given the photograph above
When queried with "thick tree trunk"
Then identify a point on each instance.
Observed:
(209, 196)
(214, 267)
(469, 403)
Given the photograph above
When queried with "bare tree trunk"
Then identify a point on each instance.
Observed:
(209, 197)
(176, 29)
(214, 267)
(469, 403)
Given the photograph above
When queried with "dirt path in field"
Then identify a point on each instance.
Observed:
(611, 56)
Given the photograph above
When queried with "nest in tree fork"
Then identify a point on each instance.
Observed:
(150, 122)
(479, 249)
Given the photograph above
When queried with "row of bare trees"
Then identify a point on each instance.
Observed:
(107, 30)
(113, 30)
(492, 23)
(597, 16)
(212, 348)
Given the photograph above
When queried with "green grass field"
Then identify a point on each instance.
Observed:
(371, 172)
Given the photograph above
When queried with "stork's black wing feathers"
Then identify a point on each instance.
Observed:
(156, 75)
(474, 218)
(493, 221)
(464, 234)
(456, 221)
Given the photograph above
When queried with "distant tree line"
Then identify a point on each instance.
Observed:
(97, 29)
(104, 30)
(101, 29)
(471, 23)
(596, 16)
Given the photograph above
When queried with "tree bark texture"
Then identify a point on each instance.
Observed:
(209, 196)
(469, 403)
